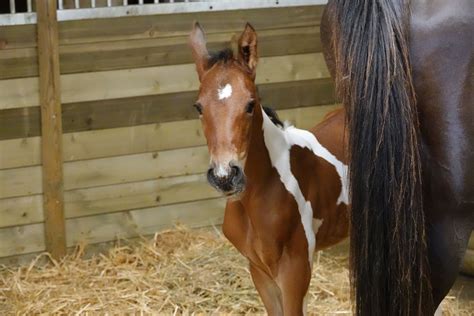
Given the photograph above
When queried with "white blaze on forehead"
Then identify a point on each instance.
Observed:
(224, 93)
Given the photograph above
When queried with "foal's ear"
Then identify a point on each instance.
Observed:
(197, 41)
(248, 48)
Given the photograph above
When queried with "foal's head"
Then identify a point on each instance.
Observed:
(226, 102)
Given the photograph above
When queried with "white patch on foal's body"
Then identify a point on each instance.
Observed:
(225, 92)
(278, 142)
(307, 139)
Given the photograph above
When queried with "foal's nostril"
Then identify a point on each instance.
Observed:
(231, 182)
(235, 171)
(238, 178)
(210, 175)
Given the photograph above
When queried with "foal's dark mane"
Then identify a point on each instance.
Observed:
(225, 55)
(272, 114)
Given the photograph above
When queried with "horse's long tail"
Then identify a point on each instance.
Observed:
(388, 244)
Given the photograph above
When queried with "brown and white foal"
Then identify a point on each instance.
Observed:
(286, 186)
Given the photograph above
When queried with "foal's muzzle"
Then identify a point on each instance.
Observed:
(231, 182)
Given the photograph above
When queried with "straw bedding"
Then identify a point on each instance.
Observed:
(179, 271)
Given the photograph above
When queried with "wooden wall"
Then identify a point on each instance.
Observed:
(134, 154)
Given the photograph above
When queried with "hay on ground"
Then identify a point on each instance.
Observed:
(178, 272)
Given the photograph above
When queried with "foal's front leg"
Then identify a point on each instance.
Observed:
(268, 291)
(294, 276)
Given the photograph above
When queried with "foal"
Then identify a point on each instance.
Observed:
(286, 187)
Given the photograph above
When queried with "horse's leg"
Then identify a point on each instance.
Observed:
(447, 243)
(294, 276)
(235, 228)
(268, 291)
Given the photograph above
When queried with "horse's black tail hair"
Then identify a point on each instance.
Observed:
(389, 269)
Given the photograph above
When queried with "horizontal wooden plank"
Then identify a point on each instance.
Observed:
(25, 122)
(104, 171)
(136, 195)
(106, 85)
(179, 24)
(21, 210)
(122, 169)
(20, 182)
(118, 197)
(21, 240)
(94, 229)
(109, 199)
(135, 139)
(160, 26)
(307, 118)
(106, 227)
(20, 123)
(20, 152)
(19, 63)
(103, 143)
(18, 36)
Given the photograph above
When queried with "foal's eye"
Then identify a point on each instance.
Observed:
(198, 107)
(250, 106)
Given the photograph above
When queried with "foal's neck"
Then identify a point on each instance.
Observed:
(258, 164)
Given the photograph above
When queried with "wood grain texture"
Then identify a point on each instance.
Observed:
(129, 54)
(105, 171)
(21, 210)
(51, 128)
(107, 142)
(22, 240)
(131, 140)
(110, 199)
(106, 227)
(25, 122)
(136, 195)
(132, 195)
(18, 36)
(307, 118)
(159, 26)
(162, 26)
(115, 84)
(20, 152)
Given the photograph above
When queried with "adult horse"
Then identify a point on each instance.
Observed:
(404, 72)
(287, 187)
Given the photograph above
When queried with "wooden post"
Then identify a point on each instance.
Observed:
(51, 127)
